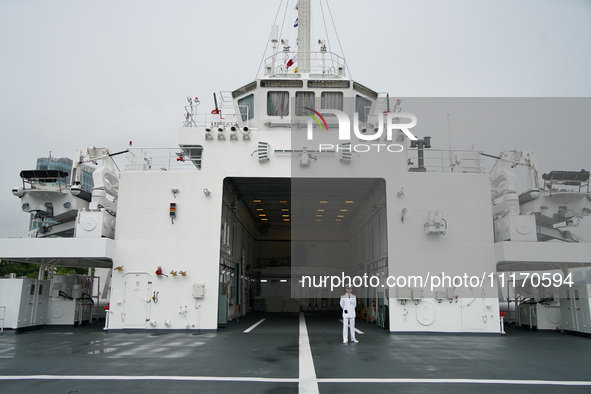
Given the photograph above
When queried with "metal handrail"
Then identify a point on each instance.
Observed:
(217, 120)
(321, 62)
(439, 160)
(3, 317)
(158, 159)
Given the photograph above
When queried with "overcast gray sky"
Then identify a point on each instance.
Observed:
(77, 73)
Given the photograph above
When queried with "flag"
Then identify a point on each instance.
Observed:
(296, 23)
(292, 61)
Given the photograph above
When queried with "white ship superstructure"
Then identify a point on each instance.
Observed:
(305, 172)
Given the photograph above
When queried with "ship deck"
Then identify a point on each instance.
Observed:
(290, 353)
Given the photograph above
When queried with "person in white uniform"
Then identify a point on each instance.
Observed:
(348, 303)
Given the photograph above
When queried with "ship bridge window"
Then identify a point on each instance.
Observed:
(278, 103)
(362, 106)
(244, 89)
(331, 100)
(365, 90)
(329, 84)
(303, 99)
(246, 105)
(281, 84)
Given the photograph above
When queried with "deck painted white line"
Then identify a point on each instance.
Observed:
(294, 380)
(151, 377)
(308, 384)
(358, 331)
(249, 329)
(461, 381)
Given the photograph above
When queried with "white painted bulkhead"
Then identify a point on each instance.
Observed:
(466, 248)
(146, 238)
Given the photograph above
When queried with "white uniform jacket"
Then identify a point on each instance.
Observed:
(348, 303)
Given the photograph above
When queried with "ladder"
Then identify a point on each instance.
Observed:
(227, 106)
(381, 105)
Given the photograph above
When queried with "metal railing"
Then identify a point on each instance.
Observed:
(217, 120)
(443, 160)
(157, 159)
(227, 116)
(322, 62)
(3, 308)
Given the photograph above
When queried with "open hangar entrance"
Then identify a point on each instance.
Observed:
(275, 231)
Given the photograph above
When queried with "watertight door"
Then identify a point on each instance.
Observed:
(473, 309)
(136, 301)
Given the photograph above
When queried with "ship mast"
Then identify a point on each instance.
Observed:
(304, 36)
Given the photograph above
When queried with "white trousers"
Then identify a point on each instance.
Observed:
(350, 322)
